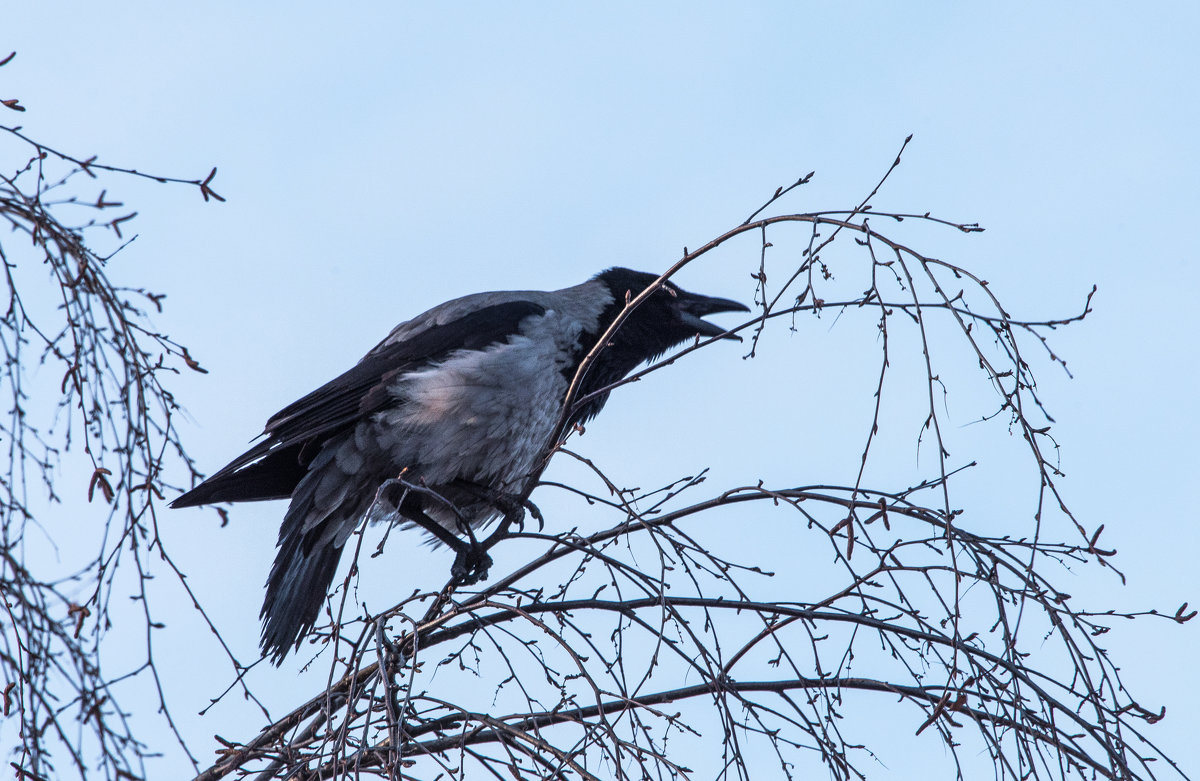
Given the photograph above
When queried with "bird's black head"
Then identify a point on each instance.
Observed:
(670, 316)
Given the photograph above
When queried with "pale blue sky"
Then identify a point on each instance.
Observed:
(378, 159)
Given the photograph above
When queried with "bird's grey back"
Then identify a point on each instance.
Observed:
(583, 303)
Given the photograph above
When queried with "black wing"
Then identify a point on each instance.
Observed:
(272, 468)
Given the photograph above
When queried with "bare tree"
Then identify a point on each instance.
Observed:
(655, 655)
(655, 649)
(83, 374)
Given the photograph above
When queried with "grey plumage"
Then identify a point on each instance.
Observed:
(462, 400)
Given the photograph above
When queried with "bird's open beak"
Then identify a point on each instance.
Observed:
(693, 307)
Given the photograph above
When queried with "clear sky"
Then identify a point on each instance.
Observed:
(381, 158)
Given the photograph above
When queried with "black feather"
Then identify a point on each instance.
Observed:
(647, 333)
(362, 390)
(296, 589)
(272, 468)
(273, 476)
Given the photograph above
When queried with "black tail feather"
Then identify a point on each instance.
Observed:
(300, 579)
(273, 477)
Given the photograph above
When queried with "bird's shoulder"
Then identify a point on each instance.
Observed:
(413, 345)
(470, 323)
(479, 319)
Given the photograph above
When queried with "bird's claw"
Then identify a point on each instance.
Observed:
(512, 506)
(471, 565)
(514, 509)
(537, 516)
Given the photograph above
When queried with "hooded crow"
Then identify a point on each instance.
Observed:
(442, 425)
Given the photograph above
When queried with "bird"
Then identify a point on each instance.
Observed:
(443, 425)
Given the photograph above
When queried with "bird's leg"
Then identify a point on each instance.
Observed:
(471, 561)
(513, 507)
(411, 510)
